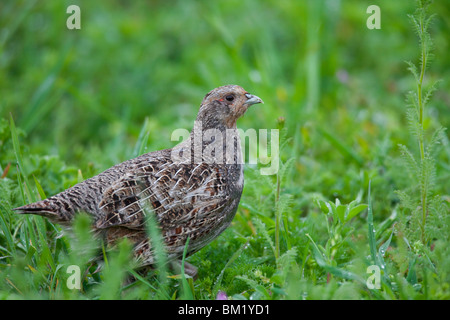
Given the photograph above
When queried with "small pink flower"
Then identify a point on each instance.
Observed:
(342, 76)
(221, 296)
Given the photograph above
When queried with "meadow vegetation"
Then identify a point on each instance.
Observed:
(364, 171)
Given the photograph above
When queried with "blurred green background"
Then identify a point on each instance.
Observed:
(84, 94)
(75, 90)
(80, 98)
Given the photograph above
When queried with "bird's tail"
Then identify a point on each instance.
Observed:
(44, 208)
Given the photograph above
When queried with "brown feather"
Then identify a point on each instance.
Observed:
(189, 200)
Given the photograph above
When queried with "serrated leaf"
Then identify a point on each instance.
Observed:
(260, 227)
(287, 258)
(285, 168)
(405, 200)
(430, 92)
(409, 160)
(412, 67)
(436, 138)
(413, 122)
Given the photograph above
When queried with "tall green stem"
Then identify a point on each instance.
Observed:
(421, 119)
(277, 218)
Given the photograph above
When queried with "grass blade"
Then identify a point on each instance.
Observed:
(187, 292)
(371, 234)
(159, 252)
(16, 147)
(141, 143)
(6, 231)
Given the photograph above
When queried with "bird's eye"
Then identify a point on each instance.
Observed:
(229, 97)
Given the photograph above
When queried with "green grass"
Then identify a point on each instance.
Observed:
(75, 102)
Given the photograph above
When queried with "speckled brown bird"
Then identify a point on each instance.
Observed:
(192, 189)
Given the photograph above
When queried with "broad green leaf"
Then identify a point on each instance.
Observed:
(354, 211)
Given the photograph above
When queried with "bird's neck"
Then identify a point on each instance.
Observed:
(218, 144)
(217, 119)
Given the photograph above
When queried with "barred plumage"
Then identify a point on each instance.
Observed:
(190, 199)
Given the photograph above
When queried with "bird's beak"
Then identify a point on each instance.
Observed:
(252, 99)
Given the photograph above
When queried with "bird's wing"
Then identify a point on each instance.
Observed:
(175, 193)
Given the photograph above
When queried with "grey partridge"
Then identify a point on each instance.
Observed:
(193, 189)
